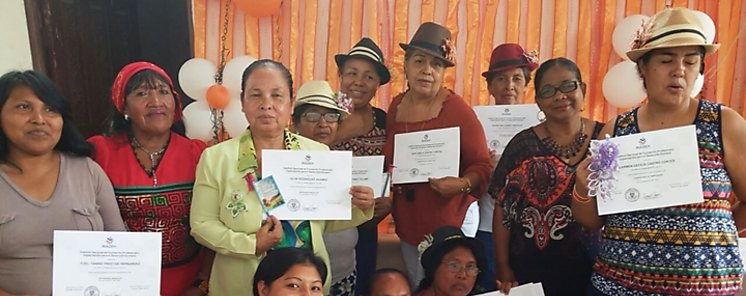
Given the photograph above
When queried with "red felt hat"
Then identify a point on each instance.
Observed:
(510, 56)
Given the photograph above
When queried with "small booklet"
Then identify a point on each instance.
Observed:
(269, 194)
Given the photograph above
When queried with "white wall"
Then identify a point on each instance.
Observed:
(15, 51)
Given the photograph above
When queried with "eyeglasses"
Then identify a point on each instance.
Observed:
(456, 267)
(566, 87)
(316, 116)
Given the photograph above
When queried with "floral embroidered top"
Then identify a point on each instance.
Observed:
(226, 213)
(533, 188)
(680, 250)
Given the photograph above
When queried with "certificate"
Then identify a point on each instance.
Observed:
(530, 289)
(366, 170)
(502, 122)
(314, 184)
(426, 154)
(656, 169)
(106, 263)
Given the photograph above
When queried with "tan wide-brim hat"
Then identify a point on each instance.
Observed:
(672, 27)
(319, 93)
(434, 40)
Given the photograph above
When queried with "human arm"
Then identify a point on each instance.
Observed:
(105, 199)
(501, 240)
(205, 216)
(3, 293)
(584, 208)
(734, 133)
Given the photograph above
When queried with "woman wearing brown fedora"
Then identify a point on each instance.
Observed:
(420, 208)
(361, 71)
(677, 250)
(507, 81)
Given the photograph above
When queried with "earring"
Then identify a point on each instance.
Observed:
(126, 117)
(541, 116)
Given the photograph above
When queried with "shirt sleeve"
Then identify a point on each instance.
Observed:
(105, 199)
(207, 228)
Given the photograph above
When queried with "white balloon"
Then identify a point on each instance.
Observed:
(233, 72)
(625, 33)
(698, 84)
(234, 120)
(197, 121)
(196, 76)
(622, 85)
(708, 26)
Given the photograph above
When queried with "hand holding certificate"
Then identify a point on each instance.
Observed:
(655, 169)
(426, 154)
(315, 185)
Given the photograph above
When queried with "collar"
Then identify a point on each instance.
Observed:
(247, 153)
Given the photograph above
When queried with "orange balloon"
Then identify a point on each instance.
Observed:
(259, 8)
(218, 97)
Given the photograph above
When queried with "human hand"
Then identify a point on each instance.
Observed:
(362, 197)
(448, 186)
(505, 279)
(269, 235)
(494, 158)
(382, 207)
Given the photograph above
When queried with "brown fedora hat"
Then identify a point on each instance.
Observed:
(673, 27)
(435, 40)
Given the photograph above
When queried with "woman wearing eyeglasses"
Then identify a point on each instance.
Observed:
(451, 262)
(533, 226)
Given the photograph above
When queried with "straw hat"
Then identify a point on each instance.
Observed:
(510, 56)
(673, 27)
(435, 40)
(319, 93)
(368, 50)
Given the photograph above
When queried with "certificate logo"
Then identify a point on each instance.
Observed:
(632, 194)
(294, 205)
(494, 144)
(425, 138)
(414, 172)
(308, 158)
(642, 141)
(91, 291)
(109, 240)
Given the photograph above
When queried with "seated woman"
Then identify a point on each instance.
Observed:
(451, 262)
(226, 212)
(151, 165)
(288, 272)
(316, 115)
(387, 282)
(47, 182)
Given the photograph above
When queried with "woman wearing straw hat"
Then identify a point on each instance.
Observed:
(421, 208)
(698, 255)
(316, 115)
(226, 214)
(507, 81)
(361, 71)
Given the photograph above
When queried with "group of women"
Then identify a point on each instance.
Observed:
(537, 222)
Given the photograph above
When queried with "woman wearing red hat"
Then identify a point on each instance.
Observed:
(507, 81)
(689, 249)
(420, 208)
(151, 165)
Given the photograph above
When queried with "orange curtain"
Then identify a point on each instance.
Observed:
(579, 29)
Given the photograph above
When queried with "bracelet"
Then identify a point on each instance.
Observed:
(577, 197)
(202, 285)
(466, 189)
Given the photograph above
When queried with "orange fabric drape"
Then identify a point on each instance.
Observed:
(477, 26)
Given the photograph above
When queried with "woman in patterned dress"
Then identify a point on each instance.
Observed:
(151, 165)
(533, 227)
(361, 71)
(678, 250)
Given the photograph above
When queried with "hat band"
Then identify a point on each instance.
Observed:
(676, 32)
(364, 51)
(428, 46)
(504, 63)
(317, 99)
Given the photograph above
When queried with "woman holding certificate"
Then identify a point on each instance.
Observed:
(688, 249)
(532, 185)
(227, 214)
(426, 203)
(151, 166)
(47, 182)
(361, 71)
